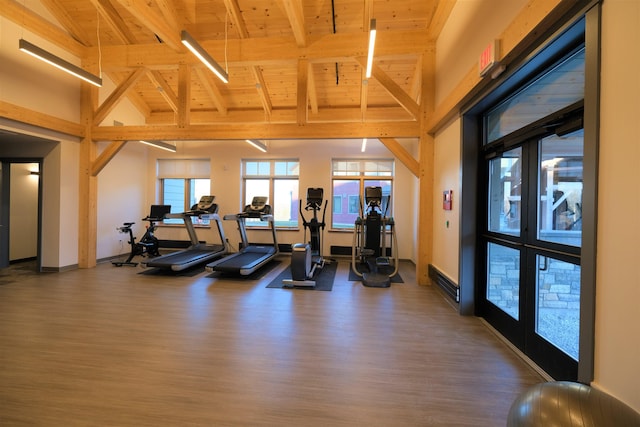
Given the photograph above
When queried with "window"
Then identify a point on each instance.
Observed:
(349, 179)
(278, 180)
(182, 183)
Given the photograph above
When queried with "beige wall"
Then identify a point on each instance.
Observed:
(617, 275)
(617, 348)
(23, 212)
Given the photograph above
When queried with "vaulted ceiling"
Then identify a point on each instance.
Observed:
(297, 64)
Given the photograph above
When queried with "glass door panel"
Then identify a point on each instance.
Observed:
(560, 189)
(557, 317)
(505, 193)
(503, 278)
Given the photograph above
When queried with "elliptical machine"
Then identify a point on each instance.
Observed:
(306, 258)
(148, 244)
(370, 242)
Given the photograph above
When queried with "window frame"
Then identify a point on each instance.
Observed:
(272, 177)
(384, 170)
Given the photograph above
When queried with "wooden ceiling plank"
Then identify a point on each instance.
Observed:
(233, 9)
(105, 157)
(402, 154)
(116, 96)
(31, 21)
(295, 14)
(35, 118)
(364, 94)
(302, 94)
(163, 88)
(405, 129)
(67, 22)
(212, 89)
(184, 95)
(154, 22)
(393, 88)
(114, 21)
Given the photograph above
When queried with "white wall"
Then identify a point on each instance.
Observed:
(617, 275)
(315, 171)
(23, 211)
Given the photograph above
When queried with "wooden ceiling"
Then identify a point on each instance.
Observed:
(295, 62)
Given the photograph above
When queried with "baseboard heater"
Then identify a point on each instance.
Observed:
(444, 283)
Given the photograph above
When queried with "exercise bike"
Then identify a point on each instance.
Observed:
(306, 258)
(374, 265)
(148, 244)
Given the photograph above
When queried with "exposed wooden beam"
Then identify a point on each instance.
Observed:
(439, 19)
(302, 94)
(285, 115)
(364, 93)
(263, 93)
(409, 129)
(134, 97)
(210, 86)
(114, 21)
(295, 14)
(67, 22)
(154, 22)
(233, 9)
(35, 118)
(393, 88)
(23, 17)
(402, 154)
(116, 96)
(330, 48)
(184, 95)
(312, 91)
(105, 157)
(163, 88)
(170, 13)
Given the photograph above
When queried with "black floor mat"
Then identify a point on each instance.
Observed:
(353, 277)
(324, 278)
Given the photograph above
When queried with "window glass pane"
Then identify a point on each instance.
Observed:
(285, 203)
(173, 193)
(560, 87)
(503, 278)
(386, 194)
(199, 188)
(346, 198)
(256, 187)
(287, 168)
(264, 168)
(558, 304)
(560, 189)
(505, 179)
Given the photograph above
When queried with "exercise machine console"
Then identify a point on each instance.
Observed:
(306, 258)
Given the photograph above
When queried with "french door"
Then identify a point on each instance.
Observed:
(530, 246)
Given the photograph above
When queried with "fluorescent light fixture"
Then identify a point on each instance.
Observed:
(364, 145)
(58, 62)
(161, 144)
(259, 145)
(203, 56)
(372, 45)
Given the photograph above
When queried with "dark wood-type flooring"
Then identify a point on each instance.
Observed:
(111, 347)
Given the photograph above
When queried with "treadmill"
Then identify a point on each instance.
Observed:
(197, 253)
(250, 257)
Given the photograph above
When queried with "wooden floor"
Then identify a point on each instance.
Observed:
(111, 347)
